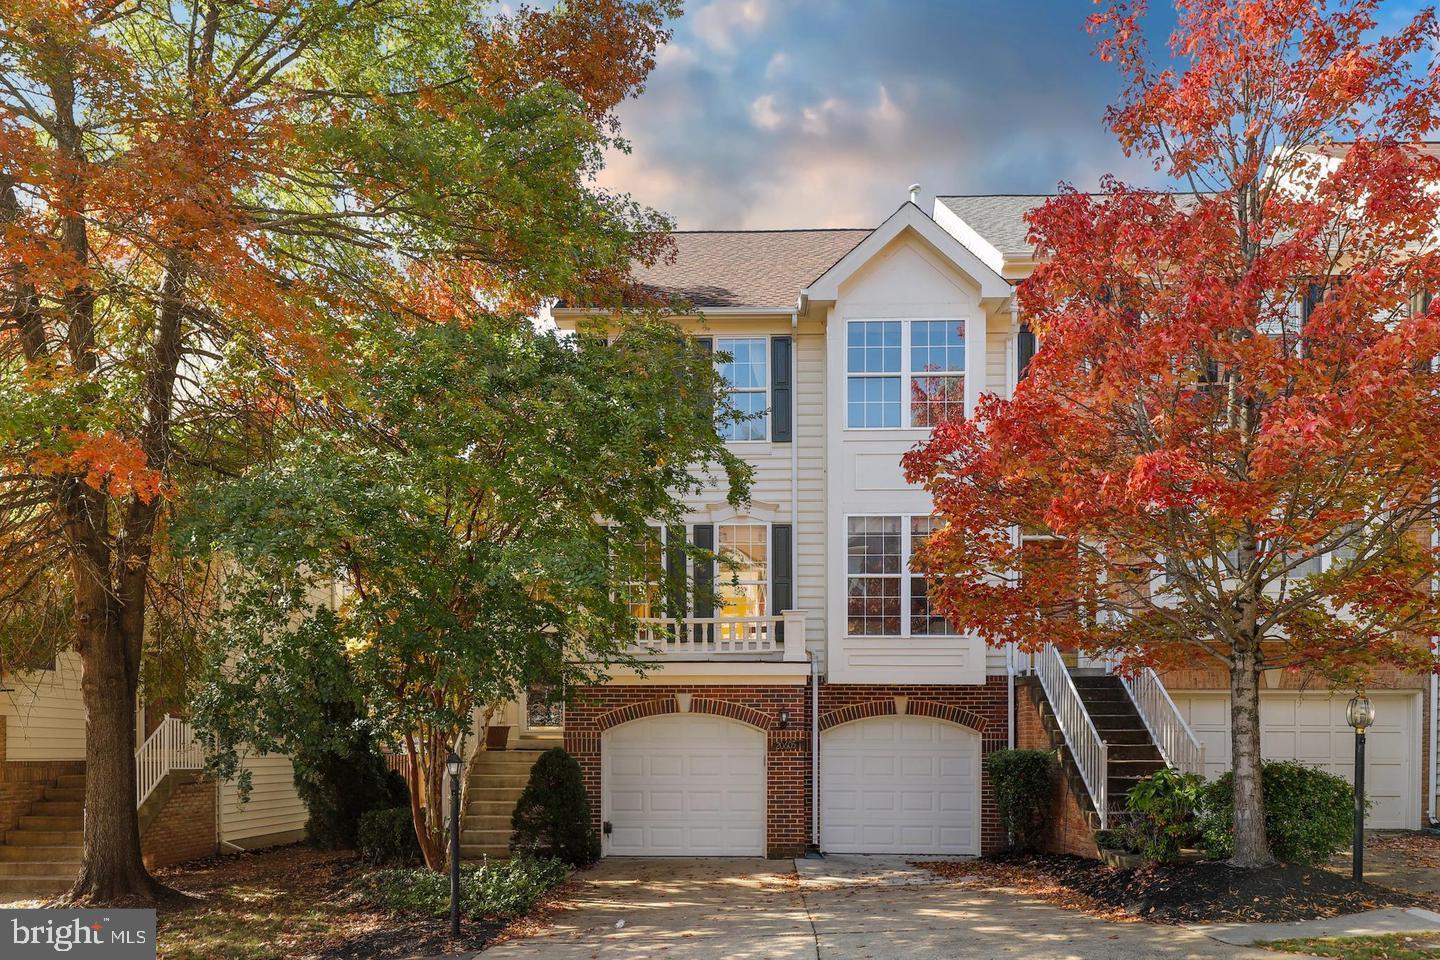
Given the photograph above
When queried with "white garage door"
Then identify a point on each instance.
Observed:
(1312, 729)
(683, 785)
(900, 785)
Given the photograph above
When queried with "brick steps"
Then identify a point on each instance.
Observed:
(495, 782)
(41, 856)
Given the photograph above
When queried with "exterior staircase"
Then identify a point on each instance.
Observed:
(494, 785)
(41, 856)
(1133, 755)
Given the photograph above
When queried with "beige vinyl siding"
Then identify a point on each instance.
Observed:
(45, 714)
(810, 435)
(273, 807)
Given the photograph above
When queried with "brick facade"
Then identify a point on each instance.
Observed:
(185, 827)
(1069, 827)
(788, 752)
(787, 764)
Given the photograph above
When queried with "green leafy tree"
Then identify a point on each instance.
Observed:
(198, 201)
(489, 517)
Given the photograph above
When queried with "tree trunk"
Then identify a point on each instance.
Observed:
(1251, 847)
(111, 870)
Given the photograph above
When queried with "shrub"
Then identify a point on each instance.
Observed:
(495, 890)
(1021, 780)
(339, 787)
(1160, 815)
(1308, 813)
(388, 836)
(552, 817)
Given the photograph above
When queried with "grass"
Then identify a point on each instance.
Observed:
(1390, 946)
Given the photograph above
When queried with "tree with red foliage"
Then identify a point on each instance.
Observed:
(201, 203)
(1229, 427)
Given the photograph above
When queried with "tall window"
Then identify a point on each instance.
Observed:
(937, 368)
(872, 363)
(925, 620)
(645, 593)
(874, 581)
(746, 378)
(886, 360)
(743, 574)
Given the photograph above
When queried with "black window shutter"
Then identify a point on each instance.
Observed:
(702, 535)
(706, 343)
(782, 573)
(782, 391)
(675, 572)
(1025, 350)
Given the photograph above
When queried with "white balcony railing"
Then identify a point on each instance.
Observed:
(171, 747)
(1177, 743)
(1091, 754)
(705, 637)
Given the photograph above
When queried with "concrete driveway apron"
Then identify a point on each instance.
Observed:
(840, 908)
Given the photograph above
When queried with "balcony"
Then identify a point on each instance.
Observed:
(779, 638)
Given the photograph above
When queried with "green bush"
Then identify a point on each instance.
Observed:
(552, 817)
(388, 836)
(1161, 815)
(338, 787)
(1022, 780)
(1309, 814)
(495, 890)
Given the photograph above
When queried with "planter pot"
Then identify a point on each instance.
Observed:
(497, 737)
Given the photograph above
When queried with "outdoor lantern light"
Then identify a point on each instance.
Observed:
(1360, 714)
(784, 719)
(452, 766)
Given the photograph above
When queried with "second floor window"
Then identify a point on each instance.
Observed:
(746, 379)
(888, 360)
(743, 574)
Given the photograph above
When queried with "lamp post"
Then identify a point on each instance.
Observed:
(452, 766)
(1360, 714)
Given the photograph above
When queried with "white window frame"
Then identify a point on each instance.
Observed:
(721, 578)
(906, 574)
(769, 378)
(906, 374)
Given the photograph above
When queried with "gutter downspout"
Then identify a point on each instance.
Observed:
(1013, 369)
(795, 566)
(1434, 720)
(815, 757)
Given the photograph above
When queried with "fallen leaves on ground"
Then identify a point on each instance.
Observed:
(1027, 879)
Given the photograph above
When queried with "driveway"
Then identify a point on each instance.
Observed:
(841, 908)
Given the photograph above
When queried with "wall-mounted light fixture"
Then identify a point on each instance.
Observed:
(784, 719)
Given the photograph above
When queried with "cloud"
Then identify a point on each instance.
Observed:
(763, 113)
(722, 23)
(821, 113)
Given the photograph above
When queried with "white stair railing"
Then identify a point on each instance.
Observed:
(1091, 754)
(171, 747)
(1177, 743)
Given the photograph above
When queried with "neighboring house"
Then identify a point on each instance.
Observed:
(182, 815)
(819, 702)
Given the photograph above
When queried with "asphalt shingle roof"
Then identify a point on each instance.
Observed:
(999, 219)
(746, 268)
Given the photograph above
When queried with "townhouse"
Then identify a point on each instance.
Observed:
(819, 702)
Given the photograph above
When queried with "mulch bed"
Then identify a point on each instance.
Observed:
(1179, 894)
(303, 894)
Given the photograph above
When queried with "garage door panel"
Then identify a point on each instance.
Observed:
(1312, 729)
(684, 785)
(916, 780)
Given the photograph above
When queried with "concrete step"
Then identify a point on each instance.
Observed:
(72, 794)
(57, 808)
(35, 886)
(1134, 751)
(489, 807)
(76, 780)
(496, 824)
(52, 823)
(68, 853)
(38, 868)
(43, 838)
(499, 781)
(490, 838)
(476, 851)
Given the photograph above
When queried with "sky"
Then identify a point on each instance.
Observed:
(821, 113)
